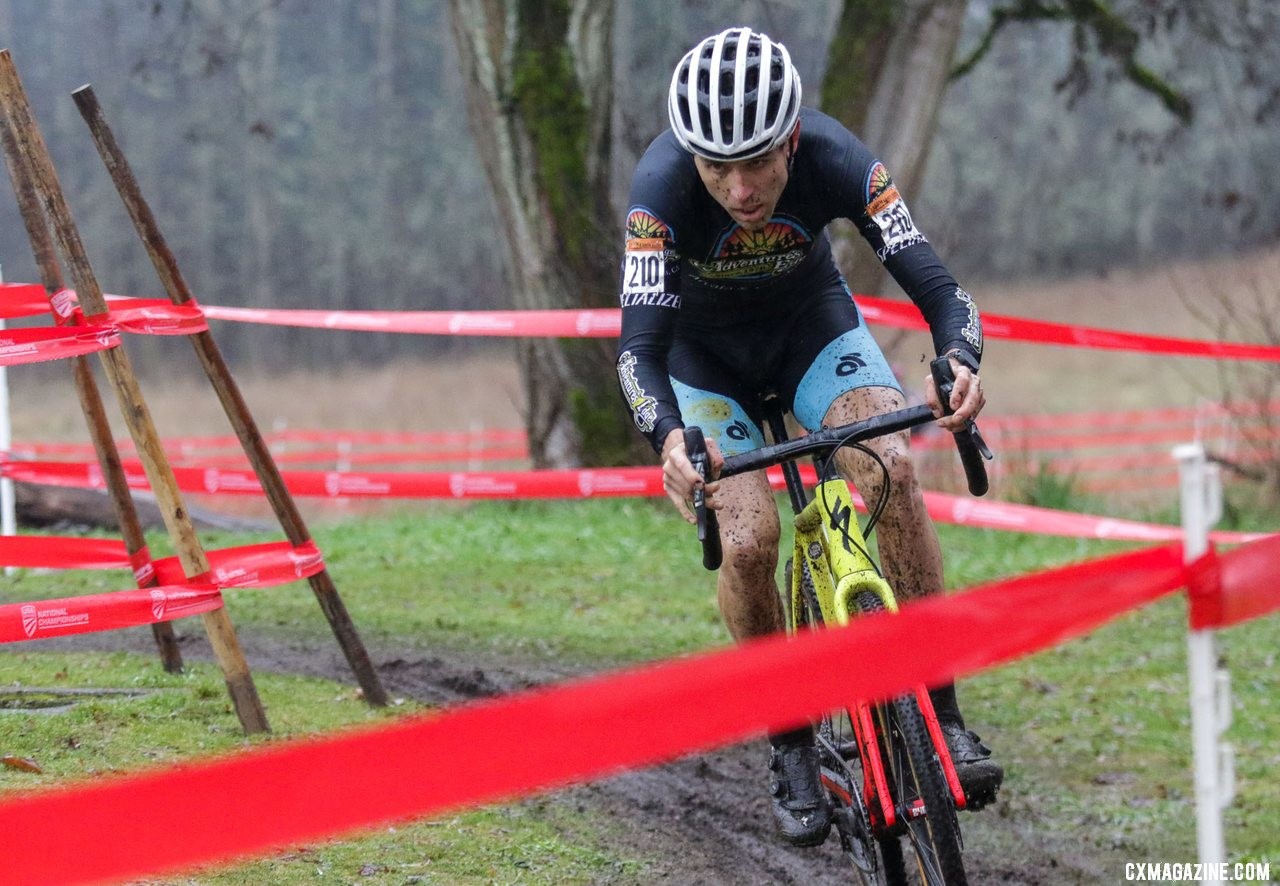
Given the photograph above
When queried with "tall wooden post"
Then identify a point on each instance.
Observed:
(37, 164)
(90, 399)
(224, 384)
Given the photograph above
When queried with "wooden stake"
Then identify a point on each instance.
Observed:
(90, 398)
(224, 384)
(35, 158)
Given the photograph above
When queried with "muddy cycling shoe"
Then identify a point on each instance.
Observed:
(980, 776)
(800, 803)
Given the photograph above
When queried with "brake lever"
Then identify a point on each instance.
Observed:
(971, 427)
(973, 449)
(708, 527)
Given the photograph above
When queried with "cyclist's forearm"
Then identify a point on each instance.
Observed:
(645, 384)
(950, 311)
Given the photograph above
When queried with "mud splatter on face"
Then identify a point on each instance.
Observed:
(748, 190)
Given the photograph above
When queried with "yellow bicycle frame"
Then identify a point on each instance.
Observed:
(830, 547)
(830, 544)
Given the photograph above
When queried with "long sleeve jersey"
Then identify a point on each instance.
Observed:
(689, 266)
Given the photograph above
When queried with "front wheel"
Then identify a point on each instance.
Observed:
(920, 789)
(876, 859)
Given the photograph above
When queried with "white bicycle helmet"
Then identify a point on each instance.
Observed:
(733, 96)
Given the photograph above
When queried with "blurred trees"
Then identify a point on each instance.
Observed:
(891, 65)
(309, 154)
(539, 84)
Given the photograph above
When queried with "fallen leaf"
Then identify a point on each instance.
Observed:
(25, 764)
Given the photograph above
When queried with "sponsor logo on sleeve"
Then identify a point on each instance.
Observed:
(888, 210)
(644, 409)
(972, 330)
(878, 181)
(644, 225)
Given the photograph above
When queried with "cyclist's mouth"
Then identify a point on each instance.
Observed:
(746, 216)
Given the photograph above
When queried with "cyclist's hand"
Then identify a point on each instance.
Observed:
(967, 398)
(679, 477)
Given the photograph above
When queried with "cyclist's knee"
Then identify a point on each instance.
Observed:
(901, 467)
(751, 550)
(868, 475)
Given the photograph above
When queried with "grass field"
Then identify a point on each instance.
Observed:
(1094, 734)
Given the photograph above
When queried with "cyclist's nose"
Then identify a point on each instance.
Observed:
(740, 187)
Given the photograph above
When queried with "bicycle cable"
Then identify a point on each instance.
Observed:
(874, 513)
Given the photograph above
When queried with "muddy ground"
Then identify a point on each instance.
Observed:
(700, 821)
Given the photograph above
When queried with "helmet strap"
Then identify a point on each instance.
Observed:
(793, 145)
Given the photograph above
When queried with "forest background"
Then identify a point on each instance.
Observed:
(304, 154)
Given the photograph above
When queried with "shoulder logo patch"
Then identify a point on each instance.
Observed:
(644, 225)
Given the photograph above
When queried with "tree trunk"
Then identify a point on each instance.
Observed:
(539, 99)
(256, 71)
(886, 75)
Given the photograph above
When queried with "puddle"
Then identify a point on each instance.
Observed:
(55, 701)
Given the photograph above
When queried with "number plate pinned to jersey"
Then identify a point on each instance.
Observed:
(643, 272)
(889, 212)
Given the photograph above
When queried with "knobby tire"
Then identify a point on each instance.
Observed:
(916, 773)
(836, 727)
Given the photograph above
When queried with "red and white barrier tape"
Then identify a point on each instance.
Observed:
(41, 619)
(176, 596)
(305, 441)
(246, 804)
(607, 323)
(585, 483)
(158, 316)
(21, 346)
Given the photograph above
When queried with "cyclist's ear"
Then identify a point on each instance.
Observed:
(793, 145)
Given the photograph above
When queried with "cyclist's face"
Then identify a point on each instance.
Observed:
(748, 189)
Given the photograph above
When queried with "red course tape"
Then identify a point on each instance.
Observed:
(584, 483)
(309, 789)
(253, 566)
(20, 300)
(41, 619)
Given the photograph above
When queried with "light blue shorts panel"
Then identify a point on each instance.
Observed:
(852, 361)
(721, 418)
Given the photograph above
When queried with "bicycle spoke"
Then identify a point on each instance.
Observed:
(931, 826)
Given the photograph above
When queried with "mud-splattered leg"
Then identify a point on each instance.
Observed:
(909, 551)
(749, 533)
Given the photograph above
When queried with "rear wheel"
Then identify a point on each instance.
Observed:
(876, 861)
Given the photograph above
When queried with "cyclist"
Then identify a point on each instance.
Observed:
(729, 290)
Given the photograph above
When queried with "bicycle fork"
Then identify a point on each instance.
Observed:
(831, 553)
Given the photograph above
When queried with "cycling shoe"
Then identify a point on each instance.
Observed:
(800, 803)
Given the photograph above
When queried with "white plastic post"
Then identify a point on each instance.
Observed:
(8, 501)
(1210, 685)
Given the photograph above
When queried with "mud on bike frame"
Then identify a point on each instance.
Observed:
(909, 781)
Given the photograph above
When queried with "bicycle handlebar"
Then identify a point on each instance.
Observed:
(973, 450)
